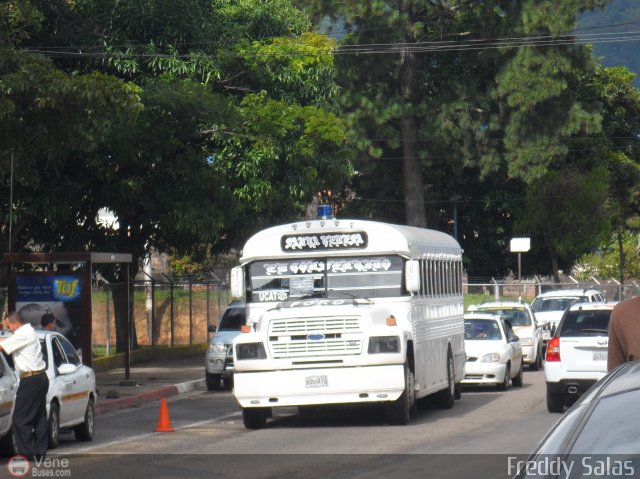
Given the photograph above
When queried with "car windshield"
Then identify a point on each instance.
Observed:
(586, 323)
(232, 320)
(540, 305)
(481, 329)
(515, 316)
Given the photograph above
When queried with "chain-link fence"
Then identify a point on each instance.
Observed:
(508, 289)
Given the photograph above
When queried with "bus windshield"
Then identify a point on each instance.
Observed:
(362, 276)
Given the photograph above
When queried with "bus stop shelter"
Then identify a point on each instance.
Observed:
(50, 282)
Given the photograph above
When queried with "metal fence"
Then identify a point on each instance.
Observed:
(163, 312)
(509, 289)
(167, 312)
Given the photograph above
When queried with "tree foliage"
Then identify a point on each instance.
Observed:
(178, 116)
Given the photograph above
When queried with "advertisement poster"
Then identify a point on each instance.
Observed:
(51, 301)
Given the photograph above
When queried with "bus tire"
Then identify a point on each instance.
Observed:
(254, 417)
(399, 411)
(446, 397)
(457, 391)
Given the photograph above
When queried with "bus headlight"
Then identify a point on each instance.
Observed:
(384, 344)
(250, 351)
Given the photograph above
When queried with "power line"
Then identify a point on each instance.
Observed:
(379, 48)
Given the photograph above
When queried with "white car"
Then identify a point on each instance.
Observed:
(8, 389)
(494, 353)
(72, 393)
(218, 361)
(550, 306)
(524, 324)
(577, 354)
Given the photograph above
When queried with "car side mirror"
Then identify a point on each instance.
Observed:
(211, 328)
(514, 339)
(67, 368)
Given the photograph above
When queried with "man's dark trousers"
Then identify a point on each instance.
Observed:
(30, 424)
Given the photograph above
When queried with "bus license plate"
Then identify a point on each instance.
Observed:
(599, 355)
(316, 381)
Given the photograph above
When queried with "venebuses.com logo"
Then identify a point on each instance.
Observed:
(19, 466)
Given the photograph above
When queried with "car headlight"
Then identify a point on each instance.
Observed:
(526, 341)
(384, 344)
(218, 348)
(250, 351)
(490, 358)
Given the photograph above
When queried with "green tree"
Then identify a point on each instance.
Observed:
(204, 126)
(457, 89)
(568, 208)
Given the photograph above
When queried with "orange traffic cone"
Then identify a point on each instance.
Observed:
(164, 423)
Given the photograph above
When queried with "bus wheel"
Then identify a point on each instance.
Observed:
(399, 411)
(254, 417)
(446, 397)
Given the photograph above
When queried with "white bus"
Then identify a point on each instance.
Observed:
(348, 311)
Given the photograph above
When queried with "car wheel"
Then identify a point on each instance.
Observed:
(517, 381)
(537, 364)
(555, 402)
(504, 385)
(457, 391)
(446, 397)
(213, 381)
(84, 431)
(541, 354)
(254, 417)
(398, 412)
(54, 425)
(228, 382)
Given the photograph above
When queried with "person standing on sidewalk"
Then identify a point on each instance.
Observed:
(30, 414)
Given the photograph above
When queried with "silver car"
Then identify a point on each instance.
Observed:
(219, 357)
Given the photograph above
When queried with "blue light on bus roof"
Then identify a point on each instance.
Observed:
(324, 212)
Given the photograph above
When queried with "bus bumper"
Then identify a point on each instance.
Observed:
(300, 387)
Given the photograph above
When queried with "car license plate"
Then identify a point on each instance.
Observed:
(316, 381)
(599, 355)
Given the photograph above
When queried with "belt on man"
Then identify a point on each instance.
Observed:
(28, 374)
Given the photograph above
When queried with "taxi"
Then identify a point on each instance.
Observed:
(72, 392)
(524, 323)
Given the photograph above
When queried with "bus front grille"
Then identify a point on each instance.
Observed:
(310, 337)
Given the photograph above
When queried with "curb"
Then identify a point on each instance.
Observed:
(107, 405)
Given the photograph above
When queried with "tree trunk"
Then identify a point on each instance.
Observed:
(621, 259)
(415, 210)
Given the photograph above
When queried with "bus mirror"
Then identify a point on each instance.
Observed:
(237, 282)
(412, 276)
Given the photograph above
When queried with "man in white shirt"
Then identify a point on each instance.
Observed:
(30, 414)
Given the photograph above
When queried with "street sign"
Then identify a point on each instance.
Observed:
(520, 245)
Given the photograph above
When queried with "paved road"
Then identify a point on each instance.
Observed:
(471, 439)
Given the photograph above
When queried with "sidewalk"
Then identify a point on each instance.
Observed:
(149, 381)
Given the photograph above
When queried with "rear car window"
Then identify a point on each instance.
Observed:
(585, 323)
